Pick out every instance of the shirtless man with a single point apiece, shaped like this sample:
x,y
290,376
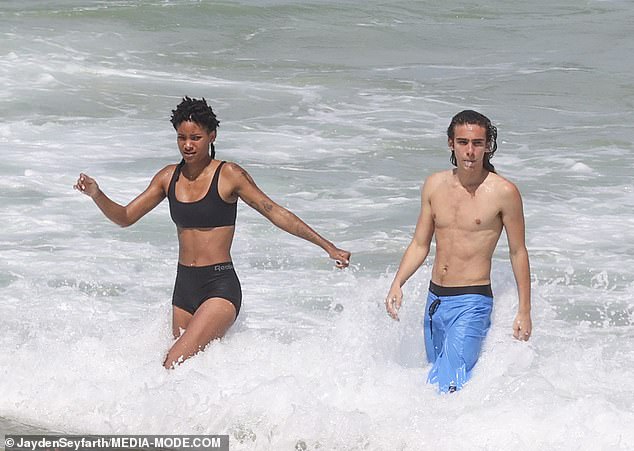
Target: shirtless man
x,y
466,209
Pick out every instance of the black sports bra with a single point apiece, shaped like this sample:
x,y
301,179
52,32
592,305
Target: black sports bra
x,y
210,211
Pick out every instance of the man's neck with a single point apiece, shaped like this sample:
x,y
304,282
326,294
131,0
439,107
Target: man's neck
x,y
471,180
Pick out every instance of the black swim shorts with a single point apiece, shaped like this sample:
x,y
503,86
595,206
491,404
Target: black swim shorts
x,y
195,284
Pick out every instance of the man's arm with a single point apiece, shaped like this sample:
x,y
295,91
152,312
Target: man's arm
x,y
415,253
513,221
249,192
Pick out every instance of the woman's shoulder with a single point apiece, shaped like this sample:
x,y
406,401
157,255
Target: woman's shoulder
x,y
164,175
231,169
230,165
167,170
235,174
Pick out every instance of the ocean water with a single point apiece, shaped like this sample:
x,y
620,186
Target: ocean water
x,y
338,109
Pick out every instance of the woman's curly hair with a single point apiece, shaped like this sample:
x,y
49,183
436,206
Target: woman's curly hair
x,y
197,111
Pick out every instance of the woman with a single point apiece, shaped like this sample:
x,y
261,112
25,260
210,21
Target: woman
x,y
203,194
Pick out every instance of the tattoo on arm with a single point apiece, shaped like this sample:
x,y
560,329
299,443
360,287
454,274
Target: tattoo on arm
x,y
285,219
267,206
264,207
246,176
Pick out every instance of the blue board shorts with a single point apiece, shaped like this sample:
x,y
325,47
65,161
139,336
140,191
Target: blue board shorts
x,y
456,321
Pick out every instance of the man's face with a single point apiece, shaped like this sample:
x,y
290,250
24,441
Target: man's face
x,y
469,144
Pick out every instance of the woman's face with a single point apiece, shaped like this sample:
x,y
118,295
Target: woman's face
x,y
193,141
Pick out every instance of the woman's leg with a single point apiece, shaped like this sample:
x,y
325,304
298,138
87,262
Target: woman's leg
x,y
212,320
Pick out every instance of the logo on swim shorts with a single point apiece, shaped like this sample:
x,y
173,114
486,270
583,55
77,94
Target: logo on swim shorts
x,y
223,267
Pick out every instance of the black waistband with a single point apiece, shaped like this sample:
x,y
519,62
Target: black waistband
x,y
215,267
484,290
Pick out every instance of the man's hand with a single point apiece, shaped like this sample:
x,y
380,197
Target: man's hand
x,y
522,326
393,301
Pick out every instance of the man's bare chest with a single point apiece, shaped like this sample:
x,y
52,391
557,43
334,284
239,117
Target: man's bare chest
x,y
465,212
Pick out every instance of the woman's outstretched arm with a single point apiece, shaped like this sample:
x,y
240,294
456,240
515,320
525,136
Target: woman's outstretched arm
x,y
248,191
127,215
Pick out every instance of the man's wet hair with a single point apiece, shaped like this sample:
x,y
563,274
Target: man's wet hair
x,y
475,118
196,110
